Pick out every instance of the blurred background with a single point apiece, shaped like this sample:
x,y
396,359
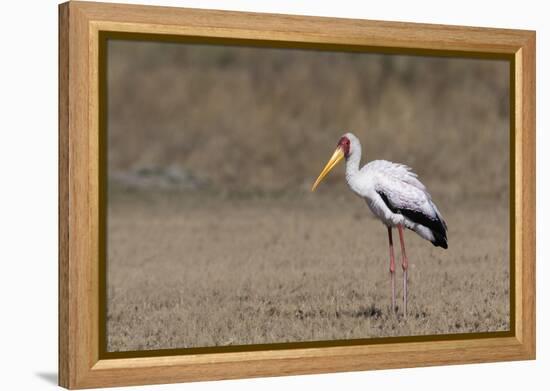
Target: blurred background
x,y
249,120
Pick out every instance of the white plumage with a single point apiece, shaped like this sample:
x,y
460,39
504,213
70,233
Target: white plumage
x,y
395,195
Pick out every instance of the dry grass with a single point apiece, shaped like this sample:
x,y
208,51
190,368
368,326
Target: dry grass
x,y
193,271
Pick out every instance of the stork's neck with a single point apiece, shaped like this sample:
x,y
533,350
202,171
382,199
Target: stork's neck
x,y
352,163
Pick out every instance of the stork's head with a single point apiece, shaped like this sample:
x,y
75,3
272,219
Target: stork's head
x,y
347,145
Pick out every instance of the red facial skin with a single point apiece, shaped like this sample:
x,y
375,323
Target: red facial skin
x,y
344,144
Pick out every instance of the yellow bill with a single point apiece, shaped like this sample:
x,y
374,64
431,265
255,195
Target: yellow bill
x,y
336,157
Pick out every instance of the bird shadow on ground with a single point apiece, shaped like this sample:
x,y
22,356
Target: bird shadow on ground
x,y
366,312
49,377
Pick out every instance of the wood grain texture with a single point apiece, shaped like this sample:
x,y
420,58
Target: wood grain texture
x,y
246,25
78,303
80,365
528,189
63,308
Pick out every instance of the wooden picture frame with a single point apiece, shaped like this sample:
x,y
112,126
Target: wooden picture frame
x,y
81,362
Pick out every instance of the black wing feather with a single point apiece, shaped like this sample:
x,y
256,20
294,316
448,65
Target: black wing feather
x,y
435,225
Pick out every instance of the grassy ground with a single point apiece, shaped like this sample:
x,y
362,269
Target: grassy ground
x,y
195,270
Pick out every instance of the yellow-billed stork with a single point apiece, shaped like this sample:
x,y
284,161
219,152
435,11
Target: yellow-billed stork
x,y
395,196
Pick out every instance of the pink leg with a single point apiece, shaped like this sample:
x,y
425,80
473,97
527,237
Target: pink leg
x,y
392,270
405,265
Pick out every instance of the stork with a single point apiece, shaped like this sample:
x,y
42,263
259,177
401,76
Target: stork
x,y
395,196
